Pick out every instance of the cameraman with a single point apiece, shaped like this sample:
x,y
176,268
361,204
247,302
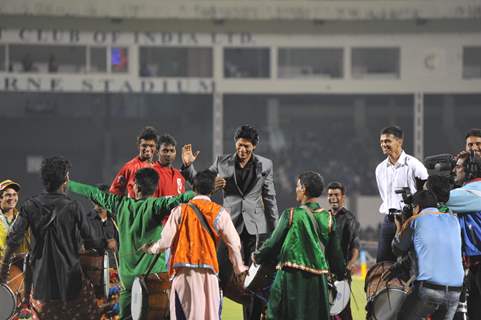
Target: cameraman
x,y
431,236
466,202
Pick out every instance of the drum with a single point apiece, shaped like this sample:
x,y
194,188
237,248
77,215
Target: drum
x,y
12,293
150,297
96,268
259,280
339,296
8,301
234,290
384,297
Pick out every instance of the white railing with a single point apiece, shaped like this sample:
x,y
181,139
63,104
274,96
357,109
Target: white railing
x,y
248,9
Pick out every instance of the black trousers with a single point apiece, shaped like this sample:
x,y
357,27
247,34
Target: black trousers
x,y
253,309
386,235
474,290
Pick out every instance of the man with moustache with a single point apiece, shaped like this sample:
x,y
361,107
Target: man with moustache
x,y
466,203
399,170
348,230
123,183
249,196
473,140
171,181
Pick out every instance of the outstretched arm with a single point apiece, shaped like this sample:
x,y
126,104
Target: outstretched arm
x,y
163,205
106,200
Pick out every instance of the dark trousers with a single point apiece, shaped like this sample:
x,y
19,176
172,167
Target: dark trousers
x,y
422,301
474,290
253,309
386,235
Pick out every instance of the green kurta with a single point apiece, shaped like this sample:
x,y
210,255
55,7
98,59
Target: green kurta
x,y
139,222
300,289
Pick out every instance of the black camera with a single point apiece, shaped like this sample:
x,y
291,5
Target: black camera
x,y
407,210
440,165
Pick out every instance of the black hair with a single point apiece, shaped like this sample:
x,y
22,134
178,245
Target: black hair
x,y
54,171
473,132
167,139
148,133
204,182
472,165
336,185
312,182
147,180
247,132
394,130
425,199
440,186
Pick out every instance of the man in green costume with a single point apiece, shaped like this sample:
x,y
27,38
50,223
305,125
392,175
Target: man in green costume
x,y
300,289
139,222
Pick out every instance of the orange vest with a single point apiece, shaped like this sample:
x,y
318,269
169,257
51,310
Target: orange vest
x,y
193,246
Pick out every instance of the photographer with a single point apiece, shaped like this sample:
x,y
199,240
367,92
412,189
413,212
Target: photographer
x,y
431,236
466,202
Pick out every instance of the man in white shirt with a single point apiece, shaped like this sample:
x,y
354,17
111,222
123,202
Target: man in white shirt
x,y
399,170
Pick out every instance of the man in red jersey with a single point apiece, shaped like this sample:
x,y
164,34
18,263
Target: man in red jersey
x,y
124,181
171,181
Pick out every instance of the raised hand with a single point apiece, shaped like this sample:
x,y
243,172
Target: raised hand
x,y
188,157
219,183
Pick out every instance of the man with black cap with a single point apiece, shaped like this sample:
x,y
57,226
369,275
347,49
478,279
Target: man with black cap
x,y
9,190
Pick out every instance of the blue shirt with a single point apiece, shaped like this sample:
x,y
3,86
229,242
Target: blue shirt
x,y
466,202
435,239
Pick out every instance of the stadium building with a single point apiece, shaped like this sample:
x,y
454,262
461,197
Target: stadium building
x,y
318,78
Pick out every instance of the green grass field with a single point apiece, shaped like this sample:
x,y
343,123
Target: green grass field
x,y
233,311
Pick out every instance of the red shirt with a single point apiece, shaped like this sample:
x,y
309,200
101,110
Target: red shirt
x,y
171,181
124,181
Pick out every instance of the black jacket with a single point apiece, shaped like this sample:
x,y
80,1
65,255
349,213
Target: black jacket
x,y
348,229
54,254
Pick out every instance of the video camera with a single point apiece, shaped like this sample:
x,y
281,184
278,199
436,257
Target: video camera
x,y
441,175
407,210
441,165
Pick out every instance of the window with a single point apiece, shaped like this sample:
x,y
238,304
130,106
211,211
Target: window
x,y
247,63
310,63
2,58
119,60
98,59
375,63
47,59
471,62
175,62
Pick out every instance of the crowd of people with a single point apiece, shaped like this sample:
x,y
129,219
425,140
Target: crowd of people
x,y
165,235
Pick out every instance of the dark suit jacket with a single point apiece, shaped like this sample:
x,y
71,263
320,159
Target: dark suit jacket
x,y
257,208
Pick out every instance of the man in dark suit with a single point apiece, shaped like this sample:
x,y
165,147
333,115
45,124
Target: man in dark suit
x,y
249,196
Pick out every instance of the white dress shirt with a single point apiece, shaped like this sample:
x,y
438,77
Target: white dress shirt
x,y
391,177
